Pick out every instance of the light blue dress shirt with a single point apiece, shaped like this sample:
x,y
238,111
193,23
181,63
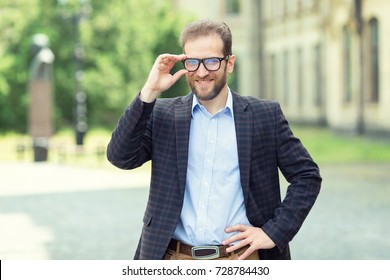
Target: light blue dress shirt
x,y
213,197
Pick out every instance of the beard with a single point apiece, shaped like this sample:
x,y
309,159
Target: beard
x,y
214,92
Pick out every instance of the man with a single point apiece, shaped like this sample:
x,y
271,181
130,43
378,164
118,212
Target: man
x,y
214,191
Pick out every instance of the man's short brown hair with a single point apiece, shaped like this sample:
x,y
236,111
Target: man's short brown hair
x,y
206,27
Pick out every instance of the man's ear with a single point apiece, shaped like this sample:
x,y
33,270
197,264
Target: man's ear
x,y
230,63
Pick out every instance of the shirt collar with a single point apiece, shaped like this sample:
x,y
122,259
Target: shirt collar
x,y
228,107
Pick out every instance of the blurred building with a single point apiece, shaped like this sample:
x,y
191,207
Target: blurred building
x,y
324,61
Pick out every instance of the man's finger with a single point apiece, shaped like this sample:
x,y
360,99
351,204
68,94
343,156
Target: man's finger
x,y
237,227
179,73
246,254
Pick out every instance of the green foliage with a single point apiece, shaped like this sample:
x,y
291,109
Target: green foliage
x,y
120,40
15,18
167,41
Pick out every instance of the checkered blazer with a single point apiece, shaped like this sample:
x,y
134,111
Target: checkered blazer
x,y
160,132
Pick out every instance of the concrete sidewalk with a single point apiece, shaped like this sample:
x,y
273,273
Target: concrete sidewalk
x,y
23,178
54,211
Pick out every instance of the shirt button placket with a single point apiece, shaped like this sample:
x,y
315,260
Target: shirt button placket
x,y
207,178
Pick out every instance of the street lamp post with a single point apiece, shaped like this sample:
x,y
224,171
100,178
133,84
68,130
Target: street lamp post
x,y
76,11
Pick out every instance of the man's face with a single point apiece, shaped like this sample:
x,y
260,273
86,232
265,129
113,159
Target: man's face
x,y
206,84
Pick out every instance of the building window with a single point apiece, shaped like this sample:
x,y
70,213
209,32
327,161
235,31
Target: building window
x,y
276,8
306,4
374,60
273,78
300,87
291,6
318,75
286,77
233,7
347,65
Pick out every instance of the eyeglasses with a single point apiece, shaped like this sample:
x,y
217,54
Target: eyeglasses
x,y
210,63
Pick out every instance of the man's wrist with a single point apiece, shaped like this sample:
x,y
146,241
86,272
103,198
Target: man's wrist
x,y
147,95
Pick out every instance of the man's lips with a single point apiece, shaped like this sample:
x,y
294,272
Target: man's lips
x,y
204,82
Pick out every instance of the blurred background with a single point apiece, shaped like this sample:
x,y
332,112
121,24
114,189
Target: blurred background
x,y
68,69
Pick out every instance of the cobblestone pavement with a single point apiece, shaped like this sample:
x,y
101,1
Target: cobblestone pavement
x,y
50,211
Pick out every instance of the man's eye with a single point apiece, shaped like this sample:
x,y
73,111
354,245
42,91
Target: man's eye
x,y
211,60
191,62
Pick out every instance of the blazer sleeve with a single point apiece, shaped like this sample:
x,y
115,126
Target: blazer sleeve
x,y
304,179
130,145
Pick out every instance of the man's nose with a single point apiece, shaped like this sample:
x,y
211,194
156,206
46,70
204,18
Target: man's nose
x,y
202,71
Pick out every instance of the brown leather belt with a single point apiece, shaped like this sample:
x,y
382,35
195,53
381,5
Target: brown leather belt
x,y
203,252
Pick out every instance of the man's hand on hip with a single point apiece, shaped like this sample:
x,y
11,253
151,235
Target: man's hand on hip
x,y
255,237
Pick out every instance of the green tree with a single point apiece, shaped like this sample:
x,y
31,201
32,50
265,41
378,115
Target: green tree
x,y
15,26
120,38
168,30
119,56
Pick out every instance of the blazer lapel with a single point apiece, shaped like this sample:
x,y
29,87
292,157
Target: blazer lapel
x,y
243,123
182,130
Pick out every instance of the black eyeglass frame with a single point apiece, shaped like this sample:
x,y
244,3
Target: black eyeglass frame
x,y
201,61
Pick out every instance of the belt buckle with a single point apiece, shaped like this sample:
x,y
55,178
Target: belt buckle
x,y
205,252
